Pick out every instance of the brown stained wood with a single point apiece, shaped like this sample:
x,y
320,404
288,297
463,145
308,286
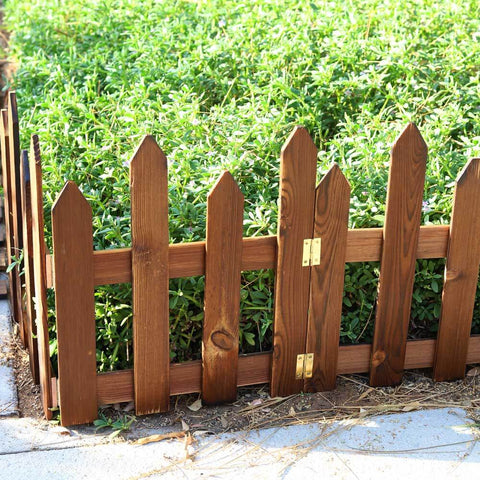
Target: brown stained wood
x,y
461,277
6,182
185,260
151,349
28,267
432,241
16,219
49,268
222,291
297,198
75,307
39,277
54,390
332,204
188,259
401,232
115,387
365,244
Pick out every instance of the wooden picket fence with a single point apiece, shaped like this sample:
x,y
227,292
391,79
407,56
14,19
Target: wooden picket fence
x,y
308,254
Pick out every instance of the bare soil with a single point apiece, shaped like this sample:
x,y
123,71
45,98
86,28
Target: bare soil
x,y
29,404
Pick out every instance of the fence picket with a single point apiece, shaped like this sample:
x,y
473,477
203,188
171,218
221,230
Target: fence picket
x,y
16,220
8,205
326,283
28,266
222,291
297,200
400,240
74,300
39,276
461,277
151,349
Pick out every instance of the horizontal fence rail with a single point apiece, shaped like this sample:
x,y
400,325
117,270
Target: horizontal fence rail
x,y
307,254
254,369
188,259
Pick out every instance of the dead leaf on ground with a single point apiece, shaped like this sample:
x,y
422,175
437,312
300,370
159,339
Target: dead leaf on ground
x,y
224,421
364,394
61,430
196,405
159,438
411,406
185,426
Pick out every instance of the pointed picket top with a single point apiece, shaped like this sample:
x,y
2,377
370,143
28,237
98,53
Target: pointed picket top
x,y
410,138
334,176
4,122
470,173
35,149
12,107
25,167
71,198
300,139
148,151
225,183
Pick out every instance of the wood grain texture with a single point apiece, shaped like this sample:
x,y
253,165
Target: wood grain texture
x,y
332,203
115,387
297,199
188,259
222,292
39,277
6,182
75,307
461,277
26,206
16,197
365,244
401,232
151,348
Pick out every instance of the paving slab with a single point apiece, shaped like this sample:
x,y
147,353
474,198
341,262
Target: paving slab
x,y
439,443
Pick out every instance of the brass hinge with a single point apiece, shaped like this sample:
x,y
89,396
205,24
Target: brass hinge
x,y
304,366
312,249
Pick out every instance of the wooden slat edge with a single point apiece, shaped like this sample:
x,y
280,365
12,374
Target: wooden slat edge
x,y
254,369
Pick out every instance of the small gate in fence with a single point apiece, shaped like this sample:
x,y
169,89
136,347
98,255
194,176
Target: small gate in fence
x,y
308,254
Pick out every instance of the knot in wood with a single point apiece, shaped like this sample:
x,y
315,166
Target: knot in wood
x,y
223,339
452,275
378,358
